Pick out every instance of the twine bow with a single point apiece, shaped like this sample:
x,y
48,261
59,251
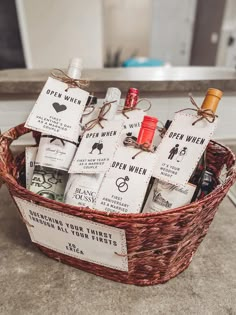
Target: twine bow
x,y
144,147
72,83
127,109
101,116
161,129
207,113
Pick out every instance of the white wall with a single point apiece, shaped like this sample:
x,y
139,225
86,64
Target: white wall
x,y
53,31
226,55
172,30
127,26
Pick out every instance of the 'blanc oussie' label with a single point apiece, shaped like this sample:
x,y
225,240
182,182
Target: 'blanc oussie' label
x,y
75,237
181,148
126,181
97,148
81,189
58,112
165,196
55,153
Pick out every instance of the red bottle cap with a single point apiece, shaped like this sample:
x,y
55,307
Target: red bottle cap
x,y
147,130
131,97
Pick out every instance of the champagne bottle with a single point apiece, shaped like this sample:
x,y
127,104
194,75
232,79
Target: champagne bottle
x,y
164,196
54,156
81,189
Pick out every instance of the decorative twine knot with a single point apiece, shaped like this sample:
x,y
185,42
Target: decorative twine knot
x,y
127,109
89,106
207,114
101,116
72,83
161,129
144,147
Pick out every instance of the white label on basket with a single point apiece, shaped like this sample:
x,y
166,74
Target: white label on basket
x,y
30,155
181,148
97,148
124,185
55,153
58,112
165,196
75,237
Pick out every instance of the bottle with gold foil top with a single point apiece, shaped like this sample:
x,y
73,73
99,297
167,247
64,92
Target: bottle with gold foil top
x,y
203,177
164,196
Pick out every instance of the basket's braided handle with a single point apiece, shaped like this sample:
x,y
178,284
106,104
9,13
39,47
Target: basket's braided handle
x,y
6,157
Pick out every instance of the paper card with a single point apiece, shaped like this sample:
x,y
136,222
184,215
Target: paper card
x,y
58,112
165,196
124,185
30,155
75,237
55,153
132,124
181,148
97,148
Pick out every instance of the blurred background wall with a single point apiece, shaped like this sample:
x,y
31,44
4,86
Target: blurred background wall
x,y
45,33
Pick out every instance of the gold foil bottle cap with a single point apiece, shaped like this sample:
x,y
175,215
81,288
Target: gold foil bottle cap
x,y
212,99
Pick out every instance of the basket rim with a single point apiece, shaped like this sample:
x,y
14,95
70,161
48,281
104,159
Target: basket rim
x,y
32,197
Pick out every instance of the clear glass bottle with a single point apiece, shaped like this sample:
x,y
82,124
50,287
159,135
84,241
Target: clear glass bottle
x,y
81,189
54,156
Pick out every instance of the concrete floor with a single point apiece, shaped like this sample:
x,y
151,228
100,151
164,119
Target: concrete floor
x,y
31,283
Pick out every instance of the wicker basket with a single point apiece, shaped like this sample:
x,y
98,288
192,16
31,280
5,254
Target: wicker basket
x,y
160,245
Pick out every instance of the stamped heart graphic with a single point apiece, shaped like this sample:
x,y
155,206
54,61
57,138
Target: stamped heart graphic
x,y
59,108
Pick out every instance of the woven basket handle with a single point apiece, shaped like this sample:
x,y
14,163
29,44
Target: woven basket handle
x,y
7,165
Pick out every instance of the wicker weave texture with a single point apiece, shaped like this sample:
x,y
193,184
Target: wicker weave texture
x,y
160,245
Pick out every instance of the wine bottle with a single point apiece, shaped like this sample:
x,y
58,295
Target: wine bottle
x,y
54,156
81,189
125,183
203,177
164,196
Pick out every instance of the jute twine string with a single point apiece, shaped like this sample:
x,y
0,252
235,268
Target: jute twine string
x,y
161,129
144,147
207,114
101,116
72,83
53,138
126,109
89,106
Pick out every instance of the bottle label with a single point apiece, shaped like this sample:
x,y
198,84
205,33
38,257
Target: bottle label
x,y
97,148
132,124
30,155
165,196
58,112
124,185
75,237
181,148
82,189
49,183
55,153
